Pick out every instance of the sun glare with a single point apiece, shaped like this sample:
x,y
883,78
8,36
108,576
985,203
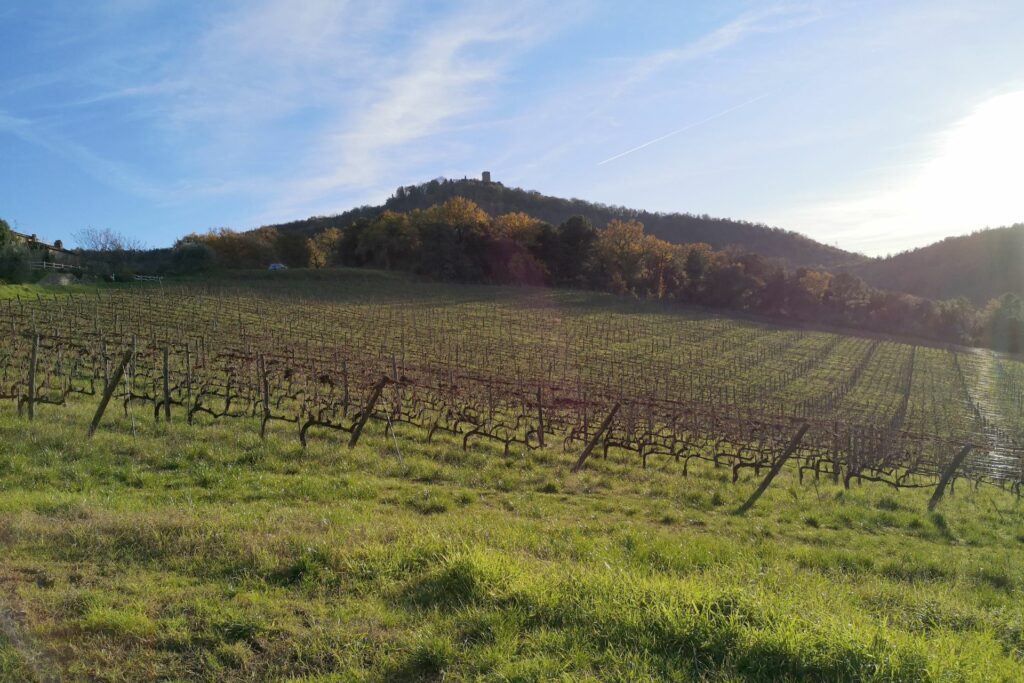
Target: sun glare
x,y
973,178
977,176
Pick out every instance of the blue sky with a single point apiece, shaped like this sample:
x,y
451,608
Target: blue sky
x,y
873,125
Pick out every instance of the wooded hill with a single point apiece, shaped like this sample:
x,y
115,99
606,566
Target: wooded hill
x,y
496,199
979,266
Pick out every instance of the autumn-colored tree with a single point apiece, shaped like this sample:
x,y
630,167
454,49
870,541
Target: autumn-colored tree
x,y
662,269
391,241
459,214
815,283
323,248
619,256
454,237
516,249
807,290
254,249
519,228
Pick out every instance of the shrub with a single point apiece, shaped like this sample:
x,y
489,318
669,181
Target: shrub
x,y
14,260
193,257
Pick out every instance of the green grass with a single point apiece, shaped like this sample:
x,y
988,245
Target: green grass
x,y
32,291
204,553
26,291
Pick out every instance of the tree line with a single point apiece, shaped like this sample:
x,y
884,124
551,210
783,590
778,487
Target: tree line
x,y
682,228
456,241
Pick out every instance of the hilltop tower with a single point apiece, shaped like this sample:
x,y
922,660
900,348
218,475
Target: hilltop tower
x,y
486,177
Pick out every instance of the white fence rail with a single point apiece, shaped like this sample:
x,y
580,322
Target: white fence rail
x,y
66,268
60,267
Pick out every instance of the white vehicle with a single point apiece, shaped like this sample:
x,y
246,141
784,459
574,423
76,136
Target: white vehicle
x,y
277,266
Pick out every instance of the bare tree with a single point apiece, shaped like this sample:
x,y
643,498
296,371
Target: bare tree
x,y
106,240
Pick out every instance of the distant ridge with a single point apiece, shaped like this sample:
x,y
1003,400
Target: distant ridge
x,y
980,266
681,228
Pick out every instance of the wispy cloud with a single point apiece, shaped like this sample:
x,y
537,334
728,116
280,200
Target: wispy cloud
x,y
369,90
298,104
243,112
342,96
767,20
106,171
687,127
449,70
593,111
264,61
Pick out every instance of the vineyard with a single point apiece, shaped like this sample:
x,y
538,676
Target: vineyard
x,y
353,476
662,387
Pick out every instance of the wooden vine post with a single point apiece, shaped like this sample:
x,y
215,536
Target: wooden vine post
x,y
106,365
597,437
109,391
188,382
367,410
167,386
540,418
947,475
32,378
776,468
265,397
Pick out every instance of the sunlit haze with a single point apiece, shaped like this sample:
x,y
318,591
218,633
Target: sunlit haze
x,y
970,178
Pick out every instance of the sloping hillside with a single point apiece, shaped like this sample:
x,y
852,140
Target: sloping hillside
x,y
979,266
496,198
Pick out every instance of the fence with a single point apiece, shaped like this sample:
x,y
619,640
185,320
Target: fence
x,y
59,267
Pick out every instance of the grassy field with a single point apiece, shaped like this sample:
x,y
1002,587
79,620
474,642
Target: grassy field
x,y
178,553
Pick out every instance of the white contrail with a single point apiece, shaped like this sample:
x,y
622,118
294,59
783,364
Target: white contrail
x,y
684,128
